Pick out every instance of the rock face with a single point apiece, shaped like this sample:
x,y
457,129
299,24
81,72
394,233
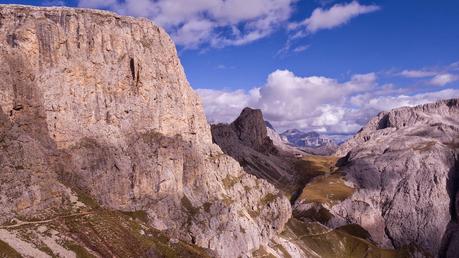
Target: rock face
x,y
404,164
247,140
94,101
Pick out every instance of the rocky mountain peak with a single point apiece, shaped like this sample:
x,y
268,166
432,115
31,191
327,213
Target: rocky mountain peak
x,y
292,131
441,112
250,127
312,134
257,147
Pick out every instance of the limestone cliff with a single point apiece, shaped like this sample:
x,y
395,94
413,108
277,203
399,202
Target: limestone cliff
x,y
95,102
404,165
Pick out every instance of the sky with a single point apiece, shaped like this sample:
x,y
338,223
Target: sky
x,y
321,65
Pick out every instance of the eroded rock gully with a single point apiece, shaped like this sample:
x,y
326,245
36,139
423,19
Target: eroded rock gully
x,y
99,102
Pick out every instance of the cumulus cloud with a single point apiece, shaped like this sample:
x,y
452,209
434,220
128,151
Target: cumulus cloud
x,y
223,106
443,79
337,15
315,102
217,23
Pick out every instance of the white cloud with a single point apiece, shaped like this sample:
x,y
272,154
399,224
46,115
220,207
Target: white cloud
x,y
217,23
443,79
437,76
224,106
315,102
301,48
417,73
53,3
96,3
337,15
390,102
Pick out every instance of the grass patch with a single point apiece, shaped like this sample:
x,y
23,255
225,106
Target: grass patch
x,y
283,251
265,200
46,250
140,215
207,206
312,166
319,214
186,203
328,243
7,251
309,167
253,213
262,253
230,181
356,230
425,146
327,189
112,233
87,199
268,198
78,250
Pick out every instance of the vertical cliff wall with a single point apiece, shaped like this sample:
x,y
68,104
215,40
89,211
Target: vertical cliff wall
x,y
94,101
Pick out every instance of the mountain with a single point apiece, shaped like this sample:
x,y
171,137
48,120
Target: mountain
x,y
105,149
401,171
248,140
312,182
310,139
310,142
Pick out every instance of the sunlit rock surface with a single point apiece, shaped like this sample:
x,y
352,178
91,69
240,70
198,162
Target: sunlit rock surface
x,y
99,102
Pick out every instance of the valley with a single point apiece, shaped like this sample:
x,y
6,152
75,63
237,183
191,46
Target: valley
x,y
106,151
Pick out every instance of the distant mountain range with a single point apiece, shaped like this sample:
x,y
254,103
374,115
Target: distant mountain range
x,y
311,142
307,139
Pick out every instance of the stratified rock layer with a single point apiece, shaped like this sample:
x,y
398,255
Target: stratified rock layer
x,y
404,164
100,102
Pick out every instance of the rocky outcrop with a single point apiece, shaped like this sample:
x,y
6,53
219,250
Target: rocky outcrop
x,y
99,102
404,165
247,140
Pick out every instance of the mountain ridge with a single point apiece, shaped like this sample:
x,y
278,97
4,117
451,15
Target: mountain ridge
x,y
391,159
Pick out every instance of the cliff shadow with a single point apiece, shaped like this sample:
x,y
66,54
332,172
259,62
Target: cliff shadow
x,y
450,241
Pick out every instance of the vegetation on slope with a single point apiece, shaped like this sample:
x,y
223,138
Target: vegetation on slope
x,y
324,182
92,232
317,240
7,251
326,189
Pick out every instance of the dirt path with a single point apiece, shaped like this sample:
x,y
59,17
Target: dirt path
x,y
20,223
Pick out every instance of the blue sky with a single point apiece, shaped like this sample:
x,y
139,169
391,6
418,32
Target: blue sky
x,y
320,65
